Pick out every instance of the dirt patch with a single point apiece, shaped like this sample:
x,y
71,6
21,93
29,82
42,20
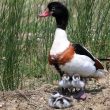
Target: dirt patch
x,y
98,98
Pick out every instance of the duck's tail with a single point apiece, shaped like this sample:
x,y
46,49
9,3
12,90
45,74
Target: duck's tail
x,y
100,73
104,59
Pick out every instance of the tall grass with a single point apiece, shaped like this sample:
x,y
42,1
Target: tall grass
x,y
91,28
11,13
25,39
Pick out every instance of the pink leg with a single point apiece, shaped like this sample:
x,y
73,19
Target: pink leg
x,y
80,95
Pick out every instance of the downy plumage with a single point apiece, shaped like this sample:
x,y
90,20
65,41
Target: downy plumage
x,y
59,101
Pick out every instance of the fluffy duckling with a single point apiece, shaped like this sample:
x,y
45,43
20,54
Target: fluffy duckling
x,y
65,82
76,82
59,101
73,82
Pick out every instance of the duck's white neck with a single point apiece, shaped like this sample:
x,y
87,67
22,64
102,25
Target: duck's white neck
x,y
60,42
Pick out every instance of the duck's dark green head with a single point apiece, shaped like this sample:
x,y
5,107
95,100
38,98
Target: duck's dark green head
x,y
59,11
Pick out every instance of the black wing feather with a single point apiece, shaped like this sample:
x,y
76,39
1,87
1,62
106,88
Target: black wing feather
x,y
82,51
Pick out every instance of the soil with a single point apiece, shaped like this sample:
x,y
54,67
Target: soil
x,y
98,97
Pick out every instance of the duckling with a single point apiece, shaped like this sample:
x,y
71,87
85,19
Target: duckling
x,y
76,82
52,98
70,82
65,82
79,86
62,102
59,101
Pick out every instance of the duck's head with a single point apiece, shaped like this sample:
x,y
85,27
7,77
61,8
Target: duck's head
x,y
59,11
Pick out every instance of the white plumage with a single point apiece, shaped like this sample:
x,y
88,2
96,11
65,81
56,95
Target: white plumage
x,y
80,64
60,42
77,83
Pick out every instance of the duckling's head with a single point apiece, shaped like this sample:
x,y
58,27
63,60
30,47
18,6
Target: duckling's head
x,y
76,77
55,94
65,77
63,102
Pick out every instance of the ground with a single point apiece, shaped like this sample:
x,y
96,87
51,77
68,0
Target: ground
x,y
97,92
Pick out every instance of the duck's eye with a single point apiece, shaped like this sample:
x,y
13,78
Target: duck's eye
x,y
53,8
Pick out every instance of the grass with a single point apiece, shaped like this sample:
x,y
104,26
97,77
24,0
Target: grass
x,y
25,39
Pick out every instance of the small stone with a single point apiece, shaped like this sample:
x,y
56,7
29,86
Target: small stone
x,y
1,104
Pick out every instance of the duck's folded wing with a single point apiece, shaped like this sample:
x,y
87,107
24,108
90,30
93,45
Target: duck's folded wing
x,y
83,51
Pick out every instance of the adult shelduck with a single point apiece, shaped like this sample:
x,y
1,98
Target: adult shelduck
x,y
69,58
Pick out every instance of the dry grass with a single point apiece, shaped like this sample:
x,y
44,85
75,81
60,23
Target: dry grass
x,y
98,97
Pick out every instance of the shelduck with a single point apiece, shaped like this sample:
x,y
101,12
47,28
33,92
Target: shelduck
x,y
66,57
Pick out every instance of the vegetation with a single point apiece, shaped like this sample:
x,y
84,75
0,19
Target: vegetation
x,y
25,39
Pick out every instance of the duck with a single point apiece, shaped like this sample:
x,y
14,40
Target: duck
x,y
59,101
67,57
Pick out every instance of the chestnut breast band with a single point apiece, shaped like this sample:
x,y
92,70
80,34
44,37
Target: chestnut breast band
x,y
63,57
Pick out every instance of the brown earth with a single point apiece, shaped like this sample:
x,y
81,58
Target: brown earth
x,y
98,97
